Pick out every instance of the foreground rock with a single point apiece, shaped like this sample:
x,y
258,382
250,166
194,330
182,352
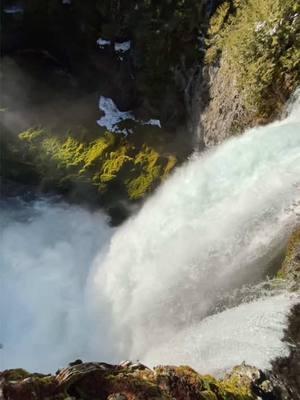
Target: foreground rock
x,y
128,381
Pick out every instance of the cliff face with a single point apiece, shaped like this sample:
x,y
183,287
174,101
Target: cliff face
x,y
148,75
61,57
286,371
202,71
252,67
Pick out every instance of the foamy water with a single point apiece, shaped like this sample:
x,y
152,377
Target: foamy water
x,y
71,287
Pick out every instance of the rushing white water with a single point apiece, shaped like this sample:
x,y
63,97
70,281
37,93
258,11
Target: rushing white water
x,y
250,332
217,223
73,287
46,251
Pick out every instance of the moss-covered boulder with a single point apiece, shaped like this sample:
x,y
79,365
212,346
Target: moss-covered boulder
x,y
128,381
110,167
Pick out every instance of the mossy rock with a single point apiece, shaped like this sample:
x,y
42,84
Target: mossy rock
x,y
290,268
111,165
260,41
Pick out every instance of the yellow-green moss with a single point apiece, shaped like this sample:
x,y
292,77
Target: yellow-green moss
x,y
96,149
69,153
232,389
113,164
148,164
138,187
31,134
171,163
291,265
65,159
260,41
294,243
17,374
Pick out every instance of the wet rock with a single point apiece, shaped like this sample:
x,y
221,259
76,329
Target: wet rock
x,y
134,381
76,362
290,269
286,371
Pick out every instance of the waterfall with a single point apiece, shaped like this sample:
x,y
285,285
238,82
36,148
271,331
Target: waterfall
x,y
73,287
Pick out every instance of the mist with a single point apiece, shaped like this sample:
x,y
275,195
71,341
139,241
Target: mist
x,y
47,251
72,287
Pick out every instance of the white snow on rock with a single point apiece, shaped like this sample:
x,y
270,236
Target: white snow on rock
x,y
14,9
122,47
119,47
102,43
155,122
113,116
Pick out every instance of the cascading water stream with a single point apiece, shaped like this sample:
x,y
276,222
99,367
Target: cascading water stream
x,y
73,287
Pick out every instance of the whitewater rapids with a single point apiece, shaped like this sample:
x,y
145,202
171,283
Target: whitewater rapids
x,y
72,287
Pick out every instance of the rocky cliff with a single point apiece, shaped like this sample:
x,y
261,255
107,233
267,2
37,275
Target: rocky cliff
x,y
251,67
170,77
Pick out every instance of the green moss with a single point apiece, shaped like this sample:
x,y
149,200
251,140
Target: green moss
x,y
113,164
67,154
171,163
206,386
97,149
260,41
102,163
136,384
208,395
148,166
233,389
294,243
31,134
291,265
16,374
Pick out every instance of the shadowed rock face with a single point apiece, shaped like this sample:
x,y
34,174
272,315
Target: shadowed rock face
x,y
287,370
128,381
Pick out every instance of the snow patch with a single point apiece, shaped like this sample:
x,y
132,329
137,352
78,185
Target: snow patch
x,y
102,43
123,46
113,116
155,122
119,47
